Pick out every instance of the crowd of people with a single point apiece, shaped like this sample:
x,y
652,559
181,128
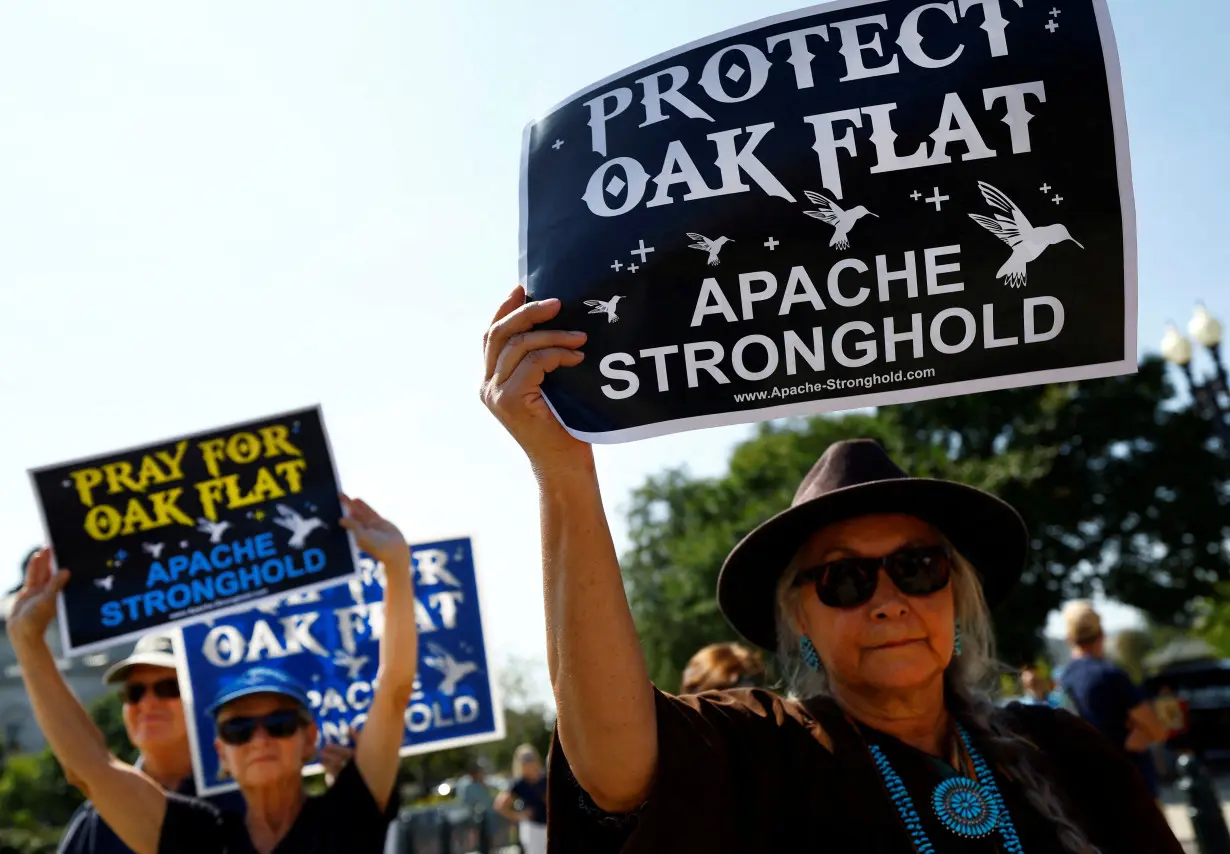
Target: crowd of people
x,y
873,590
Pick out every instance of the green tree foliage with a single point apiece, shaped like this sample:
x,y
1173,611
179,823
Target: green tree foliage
x,y
1123,490
34,793
1213,622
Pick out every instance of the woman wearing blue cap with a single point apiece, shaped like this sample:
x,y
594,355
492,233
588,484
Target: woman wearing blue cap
x,y
265,734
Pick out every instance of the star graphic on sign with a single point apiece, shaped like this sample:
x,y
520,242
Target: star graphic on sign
x,y
259,515
1046,187
294,428
458,555
183,544
121,554
632,268
1052,26
558,144
937,199
66,483
110,563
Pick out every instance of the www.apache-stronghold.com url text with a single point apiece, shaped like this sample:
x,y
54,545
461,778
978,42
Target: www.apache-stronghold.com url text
x,y
834,384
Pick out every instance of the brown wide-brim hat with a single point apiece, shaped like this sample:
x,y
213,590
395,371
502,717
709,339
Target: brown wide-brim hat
x,y
857,478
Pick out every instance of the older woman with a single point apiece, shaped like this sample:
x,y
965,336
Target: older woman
x,y
265,735
874,590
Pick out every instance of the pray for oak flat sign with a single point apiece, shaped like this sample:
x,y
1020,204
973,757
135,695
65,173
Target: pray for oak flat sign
x,y
194,527
860,203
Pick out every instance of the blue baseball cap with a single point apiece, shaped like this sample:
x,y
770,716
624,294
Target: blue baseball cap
x,y
259,680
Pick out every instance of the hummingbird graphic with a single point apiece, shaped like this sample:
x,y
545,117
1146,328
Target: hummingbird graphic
x,y
354,664
841,220
296,524
214,529
1027,242
607,307
713,247
452,669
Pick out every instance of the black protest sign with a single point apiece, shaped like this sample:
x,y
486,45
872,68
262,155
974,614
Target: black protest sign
x,y
856,204
201,525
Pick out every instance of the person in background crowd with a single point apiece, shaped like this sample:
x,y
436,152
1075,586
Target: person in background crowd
x,y
723,665
265,734
875,589
154,720
1105,695
473,791
529,788
1036,689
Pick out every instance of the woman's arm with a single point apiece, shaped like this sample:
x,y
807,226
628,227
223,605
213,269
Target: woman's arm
x,y
606,717
504,806
127,800
1144,728
377,753
605,708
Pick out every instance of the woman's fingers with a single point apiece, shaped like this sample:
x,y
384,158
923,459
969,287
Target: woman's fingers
x,y
526,342
533,369
38,570
522,319
510,304
359,511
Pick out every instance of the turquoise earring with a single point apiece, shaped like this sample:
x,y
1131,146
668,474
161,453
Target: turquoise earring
x,y
956,637
808,650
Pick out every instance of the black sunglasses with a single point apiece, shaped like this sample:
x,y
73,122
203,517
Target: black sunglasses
x,y
165,689
851,581
280,724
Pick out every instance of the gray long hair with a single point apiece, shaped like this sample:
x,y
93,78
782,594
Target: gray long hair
x,y
968,682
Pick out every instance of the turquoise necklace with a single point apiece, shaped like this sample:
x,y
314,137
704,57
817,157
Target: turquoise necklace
x,y
970,808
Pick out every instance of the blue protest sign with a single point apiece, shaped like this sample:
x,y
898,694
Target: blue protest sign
x,y
329,639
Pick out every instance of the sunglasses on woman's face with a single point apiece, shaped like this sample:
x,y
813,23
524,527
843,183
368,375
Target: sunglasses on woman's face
x,y
164,689
851,581
280,724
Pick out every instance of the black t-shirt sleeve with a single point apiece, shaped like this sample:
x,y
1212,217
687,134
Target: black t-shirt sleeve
x,y
721,755
349,803
1097,777
192,826
76,836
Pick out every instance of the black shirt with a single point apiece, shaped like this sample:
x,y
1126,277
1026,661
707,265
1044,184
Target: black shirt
x,y
534,796
746,772
345,818
87,833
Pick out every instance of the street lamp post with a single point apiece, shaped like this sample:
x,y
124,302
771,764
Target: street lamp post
x,y
1208,393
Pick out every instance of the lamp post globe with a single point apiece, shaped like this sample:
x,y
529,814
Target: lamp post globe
x,y
1205,328
1176,349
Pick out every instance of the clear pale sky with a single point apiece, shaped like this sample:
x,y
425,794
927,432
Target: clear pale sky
x,y
214,211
